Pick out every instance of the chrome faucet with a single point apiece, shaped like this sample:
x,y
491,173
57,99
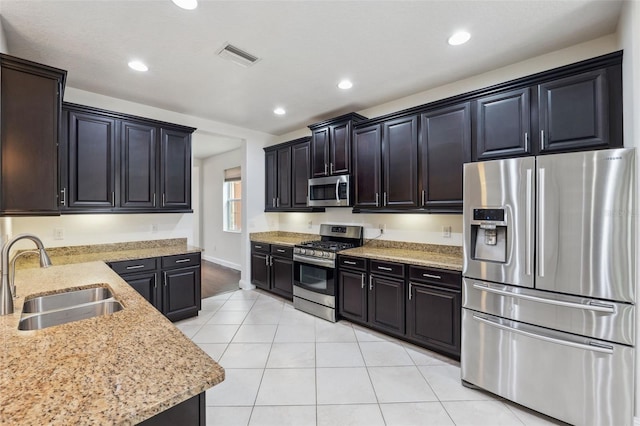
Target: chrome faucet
x,y
6,296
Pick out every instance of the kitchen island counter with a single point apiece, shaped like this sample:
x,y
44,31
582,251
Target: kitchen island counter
x,y
120,368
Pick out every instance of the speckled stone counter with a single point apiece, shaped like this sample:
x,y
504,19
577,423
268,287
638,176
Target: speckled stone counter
x,y
431,255
281,237
119,369
110,252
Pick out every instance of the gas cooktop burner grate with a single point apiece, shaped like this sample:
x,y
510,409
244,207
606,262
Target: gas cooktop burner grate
x,y
326,245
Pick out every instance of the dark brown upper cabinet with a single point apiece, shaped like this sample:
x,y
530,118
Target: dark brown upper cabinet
x,y
503,125
138,154
367,173
113,162
287,172
331,145
386,164
573,112
278,179
90,168
300,173
30,105
400,162
574,108
444,147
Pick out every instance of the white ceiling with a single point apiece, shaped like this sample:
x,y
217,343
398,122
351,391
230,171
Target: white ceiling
x,y
390,49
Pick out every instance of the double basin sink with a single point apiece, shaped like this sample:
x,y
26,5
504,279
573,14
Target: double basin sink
x,y
60,308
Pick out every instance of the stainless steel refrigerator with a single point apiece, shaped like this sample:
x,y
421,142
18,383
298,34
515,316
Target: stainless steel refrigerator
x,y
548,317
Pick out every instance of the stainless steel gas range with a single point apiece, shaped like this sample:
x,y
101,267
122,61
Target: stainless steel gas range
x,y
314,284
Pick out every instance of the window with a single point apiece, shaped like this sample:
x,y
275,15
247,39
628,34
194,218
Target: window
x,y
232,200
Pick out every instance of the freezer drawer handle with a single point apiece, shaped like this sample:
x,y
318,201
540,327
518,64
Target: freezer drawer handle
x,y
592,346
591,305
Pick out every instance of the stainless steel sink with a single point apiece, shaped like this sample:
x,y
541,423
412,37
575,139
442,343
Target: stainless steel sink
x,y
63,316
64,300
60,308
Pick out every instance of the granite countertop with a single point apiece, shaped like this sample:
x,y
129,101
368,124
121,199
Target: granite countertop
x,y
281,237
430,255
110,252
120,368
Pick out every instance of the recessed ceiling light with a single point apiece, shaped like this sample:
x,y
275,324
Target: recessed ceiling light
x,y
186,4
138,66
279,111
458,38
345,84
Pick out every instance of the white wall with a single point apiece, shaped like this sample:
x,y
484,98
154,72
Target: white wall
x,y
427,228
629,39
219,246
196,204
3,39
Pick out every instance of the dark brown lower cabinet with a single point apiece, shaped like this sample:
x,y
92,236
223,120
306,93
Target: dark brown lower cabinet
x,y
387,304
191,412
433,317
415,303
272,268
352,301
172,284
372,299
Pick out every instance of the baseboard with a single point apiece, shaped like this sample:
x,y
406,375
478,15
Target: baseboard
x,y
246,285
222,262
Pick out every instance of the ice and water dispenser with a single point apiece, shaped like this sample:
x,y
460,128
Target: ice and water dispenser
x,y
489,235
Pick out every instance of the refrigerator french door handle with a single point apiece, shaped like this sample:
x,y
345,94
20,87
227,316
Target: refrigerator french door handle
x,y
595,347
590,306
541,229
527,244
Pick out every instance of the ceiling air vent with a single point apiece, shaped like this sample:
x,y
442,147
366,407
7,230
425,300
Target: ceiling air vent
x,y
237,56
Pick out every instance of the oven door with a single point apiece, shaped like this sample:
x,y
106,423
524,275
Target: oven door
x,y
314,277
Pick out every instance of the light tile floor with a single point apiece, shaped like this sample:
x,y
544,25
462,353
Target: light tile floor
x,y
285,367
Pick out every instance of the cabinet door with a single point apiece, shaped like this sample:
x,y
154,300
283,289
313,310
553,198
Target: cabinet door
x,y
340,149
270,179
92,161
387,304
175,169
260,270
181,293
147,285
283,199
320,152
445,145
138,156
433,317
353,295
574,112
30,110
400,159
282,276
367,148
503,125
301,165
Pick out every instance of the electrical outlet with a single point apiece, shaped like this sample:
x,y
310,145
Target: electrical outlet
x,y
446,232
309,224
58,234
154,228
382,227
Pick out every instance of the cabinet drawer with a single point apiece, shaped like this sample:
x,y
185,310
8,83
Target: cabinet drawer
x,y
387,268
282,251
181,260
260,247
352,263
436,276
134,266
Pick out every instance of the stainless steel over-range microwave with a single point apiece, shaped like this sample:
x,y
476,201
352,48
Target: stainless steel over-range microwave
x,y
331,191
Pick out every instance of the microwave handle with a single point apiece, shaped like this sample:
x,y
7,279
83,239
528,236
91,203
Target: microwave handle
x,y
338,190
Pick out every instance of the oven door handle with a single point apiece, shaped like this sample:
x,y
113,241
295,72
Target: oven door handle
x,y
325,263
